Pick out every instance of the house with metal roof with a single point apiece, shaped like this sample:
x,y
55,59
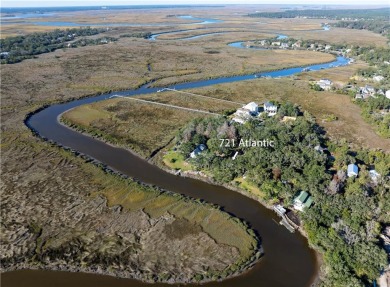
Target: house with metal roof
x,y
244,114
270,108
352,170
252,107
325,84
199,149
302,201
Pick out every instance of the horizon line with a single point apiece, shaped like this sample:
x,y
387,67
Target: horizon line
x,y
206,5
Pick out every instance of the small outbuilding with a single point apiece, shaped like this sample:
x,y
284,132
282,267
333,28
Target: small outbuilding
x,y
352,170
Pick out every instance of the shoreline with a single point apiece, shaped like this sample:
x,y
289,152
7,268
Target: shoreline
x,y
104,167
256,255
158,163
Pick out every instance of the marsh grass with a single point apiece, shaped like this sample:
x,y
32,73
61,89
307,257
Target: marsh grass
x,y
141,127
219,225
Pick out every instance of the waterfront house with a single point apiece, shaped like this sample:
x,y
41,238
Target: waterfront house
x,y
325,84
302,201
367,90
284,45
270,108
252,107
352,170
243,114
199,149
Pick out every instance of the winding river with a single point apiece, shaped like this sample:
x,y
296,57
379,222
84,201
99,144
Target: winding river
x,y
288,260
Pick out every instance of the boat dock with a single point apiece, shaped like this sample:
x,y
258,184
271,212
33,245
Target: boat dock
x,y
281,211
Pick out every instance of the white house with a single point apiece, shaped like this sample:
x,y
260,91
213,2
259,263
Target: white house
x,y
352,170
270,108
325,84
365,92
388,94
275,43
368,90
252,107
246,112
199,149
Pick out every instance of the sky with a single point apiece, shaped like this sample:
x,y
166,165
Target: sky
x,y
49,3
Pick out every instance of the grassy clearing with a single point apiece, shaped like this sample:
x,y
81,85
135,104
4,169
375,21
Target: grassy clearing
x,y
249,186
175,160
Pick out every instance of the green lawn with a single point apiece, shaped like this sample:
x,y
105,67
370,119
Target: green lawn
x,y
249,186
175,160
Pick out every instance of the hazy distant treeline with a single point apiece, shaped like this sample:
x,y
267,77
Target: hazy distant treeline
x,y
328,14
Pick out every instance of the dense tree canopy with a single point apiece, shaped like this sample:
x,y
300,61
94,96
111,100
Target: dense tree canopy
x,y
345,221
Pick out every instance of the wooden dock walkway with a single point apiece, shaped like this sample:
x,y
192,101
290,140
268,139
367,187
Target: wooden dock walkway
x,y
281,211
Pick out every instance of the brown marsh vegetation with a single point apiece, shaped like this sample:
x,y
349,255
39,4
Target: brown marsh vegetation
x,y
40,179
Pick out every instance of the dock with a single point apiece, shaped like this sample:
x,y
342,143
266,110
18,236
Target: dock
x,y
286,224
281,211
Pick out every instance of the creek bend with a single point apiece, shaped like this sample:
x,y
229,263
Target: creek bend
x,y
287,261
